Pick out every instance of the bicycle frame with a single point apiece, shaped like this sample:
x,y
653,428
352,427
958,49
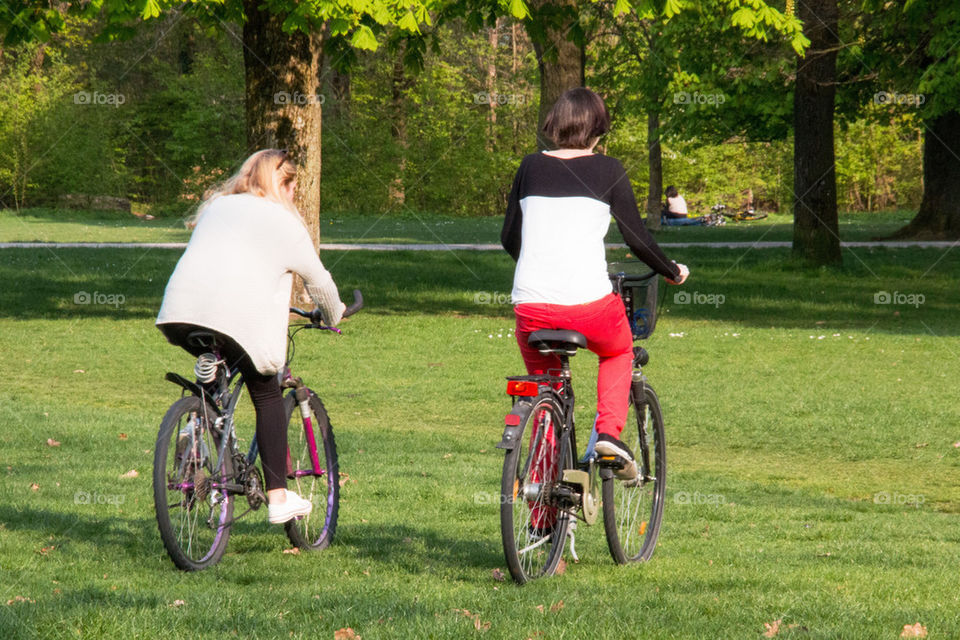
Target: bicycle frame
x,y
225,401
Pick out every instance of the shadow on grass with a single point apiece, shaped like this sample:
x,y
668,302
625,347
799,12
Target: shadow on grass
x,y
903,291
115,533
419,549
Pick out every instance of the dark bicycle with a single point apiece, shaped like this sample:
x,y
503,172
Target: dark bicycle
x,y
546,487
747,214
198,468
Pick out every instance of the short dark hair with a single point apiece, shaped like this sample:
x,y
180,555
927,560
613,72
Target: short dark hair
x,y
576,118
672,192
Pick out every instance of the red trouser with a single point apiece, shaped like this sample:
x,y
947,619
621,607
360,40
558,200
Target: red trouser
x,y
604,324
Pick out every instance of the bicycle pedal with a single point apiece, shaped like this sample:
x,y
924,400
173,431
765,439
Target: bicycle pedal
x,y
612,462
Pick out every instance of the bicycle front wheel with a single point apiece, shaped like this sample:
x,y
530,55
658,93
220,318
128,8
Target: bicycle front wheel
x,y
632,511
533,527
193,516
312,472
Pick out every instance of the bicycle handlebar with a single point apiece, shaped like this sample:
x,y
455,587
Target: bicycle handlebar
x,y
315,316
623,277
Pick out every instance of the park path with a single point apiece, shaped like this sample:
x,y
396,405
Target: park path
x,y
473,246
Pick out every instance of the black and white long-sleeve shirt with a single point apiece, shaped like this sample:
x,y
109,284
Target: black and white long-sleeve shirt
x,y
557,217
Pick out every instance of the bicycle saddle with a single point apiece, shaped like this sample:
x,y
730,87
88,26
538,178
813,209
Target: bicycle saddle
x,y
562,341
202,339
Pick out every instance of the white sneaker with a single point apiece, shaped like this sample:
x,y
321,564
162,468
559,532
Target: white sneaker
x,y
294,507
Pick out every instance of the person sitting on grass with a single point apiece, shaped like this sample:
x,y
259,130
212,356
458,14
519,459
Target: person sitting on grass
x,y
234,280
675,210
557,217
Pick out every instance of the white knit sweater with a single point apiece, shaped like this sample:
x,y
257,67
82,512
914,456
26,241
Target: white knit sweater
x,y
236,276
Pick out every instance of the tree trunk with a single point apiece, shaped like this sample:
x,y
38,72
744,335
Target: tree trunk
x,y
816,236
283,100
655,186
559,59
492,97
399,84
939,214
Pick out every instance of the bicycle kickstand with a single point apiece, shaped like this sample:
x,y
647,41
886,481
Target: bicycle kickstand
x,y
571,531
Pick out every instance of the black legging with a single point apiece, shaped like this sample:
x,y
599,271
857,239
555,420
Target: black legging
x,y
264,392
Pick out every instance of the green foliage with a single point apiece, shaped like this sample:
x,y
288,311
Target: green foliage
x,y
452,159
35,83
878,164
912,47
91,123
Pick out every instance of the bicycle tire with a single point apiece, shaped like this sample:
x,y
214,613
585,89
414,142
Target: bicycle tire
x,y
315,531
194,519
540,529
632,513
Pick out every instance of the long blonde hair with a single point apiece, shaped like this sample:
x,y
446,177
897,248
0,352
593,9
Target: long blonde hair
x,y
263,174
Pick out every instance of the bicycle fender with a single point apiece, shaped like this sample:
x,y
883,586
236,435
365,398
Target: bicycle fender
x,y
513,425
192,387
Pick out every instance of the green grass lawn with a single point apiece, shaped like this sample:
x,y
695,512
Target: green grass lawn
x,y
57,225
811,445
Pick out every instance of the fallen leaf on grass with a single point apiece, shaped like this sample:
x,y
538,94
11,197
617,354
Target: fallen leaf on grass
x,y
477,624
44,551
79,371
346,634
921,445
34,486
52,443
177,603
133,473
772,628
913,631
561,568
295,551
498,575
345,478
554,608
122,436
17,599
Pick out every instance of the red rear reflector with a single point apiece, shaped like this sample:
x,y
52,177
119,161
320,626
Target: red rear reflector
x,y
511,420
521,388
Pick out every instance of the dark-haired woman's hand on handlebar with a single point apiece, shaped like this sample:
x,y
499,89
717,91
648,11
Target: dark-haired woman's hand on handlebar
x,y
684,273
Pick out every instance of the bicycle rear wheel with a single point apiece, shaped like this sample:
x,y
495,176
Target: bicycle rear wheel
x,y
632,511
533,528
193,517
318,485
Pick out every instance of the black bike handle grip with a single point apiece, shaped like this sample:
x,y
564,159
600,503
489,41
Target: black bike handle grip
x,y
356,306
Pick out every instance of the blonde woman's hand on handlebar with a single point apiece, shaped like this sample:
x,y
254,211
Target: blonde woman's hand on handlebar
x,y
684,273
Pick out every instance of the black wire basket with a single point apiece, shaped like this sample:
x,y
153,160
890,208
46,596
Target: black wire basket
x,y
639,288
